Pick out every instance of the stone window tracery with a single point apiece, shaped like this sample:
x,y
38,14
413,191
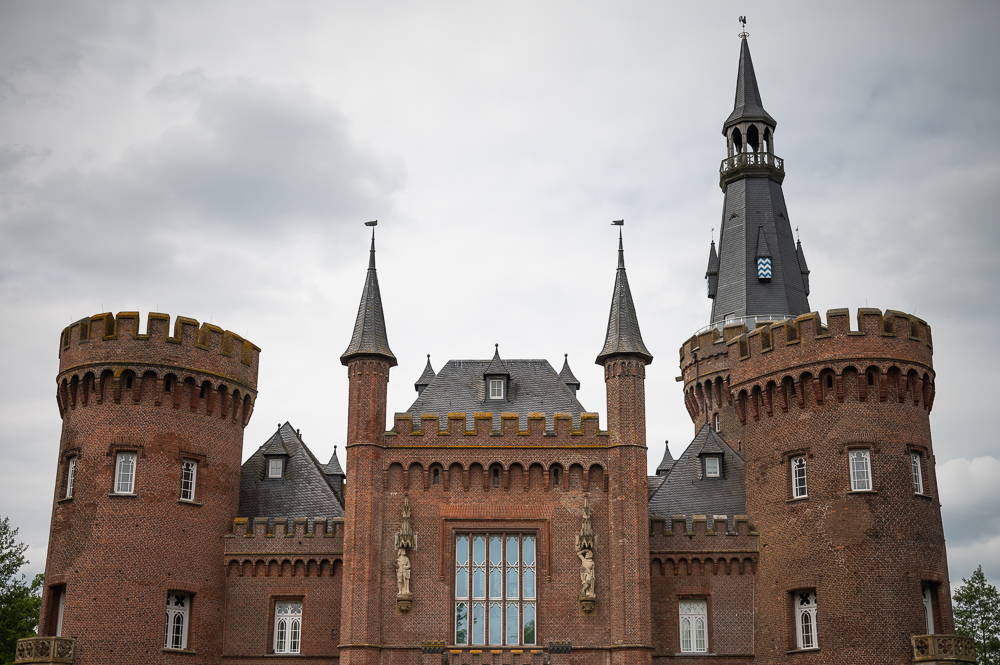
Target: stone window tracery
x,y
175,634
800,488
805,620
495,601
189,475
287,626
694,625
125,473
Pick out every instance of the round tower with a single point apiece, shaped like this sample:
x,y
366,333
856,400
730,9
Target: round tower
x,y
148,481
841,485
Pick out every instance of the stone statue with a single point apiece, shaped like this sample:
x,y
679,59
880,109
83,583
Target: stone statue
x,y
586,573
402,573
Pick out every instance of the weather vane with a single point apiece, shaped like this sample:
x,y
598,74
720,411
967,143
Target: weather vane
x,y
744,34
713,234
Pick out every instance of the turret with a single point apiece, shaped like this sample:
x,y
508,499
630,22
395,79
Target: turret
x,y
148,477
567,376
425,378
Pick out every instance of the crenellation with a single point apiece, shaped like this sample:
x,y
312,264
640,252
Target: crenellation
x,y
488,430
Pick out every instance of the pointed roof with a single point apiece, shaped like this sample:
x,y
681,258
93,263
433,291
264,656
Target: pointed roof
x,y
425,378
369,330
667,463
333,467
803,268
566,374
713,443
762,249
748,105
713,261
623,327
496,366
275,445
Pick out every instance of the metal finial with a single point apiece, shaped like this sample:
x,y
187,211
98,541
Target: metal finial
x,y
713,235
744,34
797,238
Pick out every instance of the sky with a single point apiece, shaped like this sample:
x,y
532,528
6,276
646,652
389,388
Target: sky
x,y
218,160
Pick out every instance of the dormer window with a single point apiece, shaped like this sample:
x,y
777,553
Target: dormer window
x,y
712,467
275,467
496,388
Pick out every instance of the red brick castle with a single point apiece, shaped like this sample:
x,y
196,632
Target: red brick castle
x,y
496,523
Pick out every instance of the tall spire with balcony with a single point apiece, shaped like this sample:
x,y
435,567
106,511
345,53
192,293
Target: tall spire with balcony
x,y
758,274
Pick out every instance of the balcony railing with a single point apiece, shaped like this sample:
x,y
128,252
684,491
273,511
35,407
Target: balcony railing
x,y
44,650
943,649
744,159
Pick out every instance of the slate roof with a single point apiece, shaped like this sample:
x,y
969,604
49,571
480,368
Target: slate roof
x,y
534,387
712,272
496,366
652,484
685,492
747,105
333,467
667,463
566,374
304,491
623,327
803,268
369,329
427,376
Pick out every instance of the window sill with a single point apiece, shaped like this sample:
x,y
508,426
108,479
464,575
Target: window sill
x,y
122,495
794,651
185,651
922,496
695,654
798,498
285,655
190,503
64,499
858,492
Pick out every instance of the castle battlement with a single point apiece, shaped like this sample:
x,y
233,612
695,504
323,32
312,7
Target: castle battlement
x,y
703,544
487,430
285,527
105,339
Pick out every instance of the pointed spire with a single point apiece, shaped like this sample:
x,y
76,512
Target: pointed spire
x,y
276,444
748,105
712,272
667,463
333,467
566,374
425,378
623,327
369,329
803,268
496,366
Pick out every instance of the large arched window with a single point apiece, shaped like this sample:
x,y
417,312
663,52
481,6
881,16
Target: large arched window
x,y
287,626
694,622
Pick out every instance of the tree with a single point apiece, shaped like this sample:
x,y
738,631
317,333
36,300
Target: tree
x,y
977,615
20,600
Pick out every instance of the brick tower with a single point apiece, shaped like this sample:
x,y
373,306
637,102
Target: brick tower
x,y
833,425
624,358
368,359
148,477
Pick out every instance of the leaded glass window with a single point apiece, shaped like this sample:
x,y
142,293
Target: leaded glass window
x,y
189,473
694,625
861,475
176,629
799,486
495,577
125,473
287,626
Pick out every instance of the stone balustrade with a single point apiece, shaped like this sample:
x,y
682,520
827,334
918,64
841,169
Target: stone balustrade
x,y
943,649
44,650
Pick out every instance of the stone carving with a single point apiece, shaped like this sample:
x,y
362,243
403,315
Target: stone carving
x,y
585,546
404,542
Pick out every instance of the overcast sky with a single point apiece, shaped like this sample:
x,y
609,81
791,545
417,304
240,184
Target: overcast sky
x,y
217,160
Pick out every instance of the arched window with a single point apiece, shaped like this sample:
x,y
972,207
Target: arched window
x,y
753,138
694,619
287,627
555,477
737,140
436,475
805,620
496,476
176,630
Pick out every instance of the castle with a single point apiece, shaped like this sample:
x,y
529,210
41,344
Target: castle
x,y
496,523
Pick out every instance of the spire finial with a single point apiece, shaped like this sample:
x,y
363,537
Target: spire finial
x,y
371,258
621,252
713,235
744,34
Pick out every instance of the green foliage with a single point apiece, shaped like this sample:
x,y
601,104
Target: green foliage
x,y
977,615
20,600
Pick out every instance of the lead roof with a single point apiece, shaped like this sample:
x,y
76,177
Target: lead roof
x,y
302,491
534,387
623,335
369,336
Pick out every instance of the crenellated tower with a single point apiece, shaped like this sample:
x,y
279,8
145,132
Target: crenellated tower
x,y
368,360
148,477
624,358
832,424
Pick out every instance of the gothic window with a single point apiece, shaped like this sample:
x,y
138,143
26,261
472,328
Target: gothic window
x,y
495,600
799,488
287,626
694,622
918,476
70,477
125,473
189,473
805,619
928,597
496,388
175,632
861,470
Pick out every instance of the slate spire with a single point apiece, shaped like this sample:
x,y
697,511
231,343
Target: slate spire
x,y
712,272
566,374
369,329
667,463
747,105
425,378
623,336
496,366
